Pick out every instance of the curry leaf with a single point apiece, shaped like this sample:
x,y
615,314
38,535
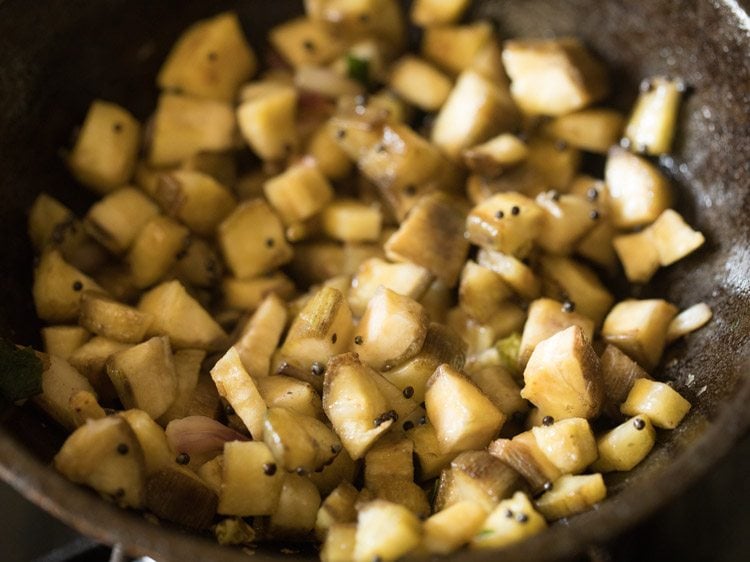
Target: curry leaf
x,y
358,69
20,372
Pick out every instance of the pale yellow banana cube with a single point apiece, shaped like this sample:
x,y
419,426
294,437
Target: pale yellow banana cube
x,y
184,126
553,76
267,120
210,59
352,221
144,376
496,155
593,130
652,124
251,481
178,315
625,446
571,495
352,401
116,220
237,387
195,199
512,521
385,530
455,526
639,328
299,193
638,191
455,47
519,276
252,240
437,12
463,417
420,83
663,405
562,377
294,516
569,444
673,237
106,149
476,110
638,255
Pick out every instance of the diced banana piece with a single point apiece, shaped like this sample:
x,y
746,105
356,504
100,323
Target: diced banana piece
x,y
569,444
453,527
664,406
639,328
572,494
464,418
476,110
652,124
673,238
437,12
210,59
623,447
513,520
354,404
562,376
638,191
385,530
251,480
106,150
553,77
420,83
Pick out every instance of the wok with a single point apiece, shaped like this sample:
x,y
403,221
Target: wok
x,y
57,55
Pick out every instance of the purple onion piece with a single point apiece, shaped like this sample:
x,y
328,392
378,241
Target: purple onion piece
x,y
200,434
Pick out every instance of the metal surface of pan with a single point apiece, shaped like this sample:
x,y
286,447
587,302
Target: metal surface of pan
x,y
57,55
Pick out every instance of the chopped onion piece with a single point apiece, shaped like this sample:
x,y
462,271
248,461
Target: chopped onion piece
x,y
200,434
326,82
688,321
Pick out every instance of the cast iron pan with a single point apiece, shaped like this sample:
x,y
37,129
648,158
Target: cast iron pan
x,y
57,55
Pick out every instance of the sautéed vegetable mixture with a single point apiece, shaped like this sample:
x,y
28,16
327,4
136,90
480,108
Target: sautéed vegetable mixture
x,y
359,294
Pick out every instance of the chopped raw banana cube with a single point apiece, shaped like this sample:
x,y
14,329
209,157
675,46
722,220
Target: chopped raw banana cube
x,y
475,111
513,520
652,124
553,76
299,193
639,328
562,376
386,531
106,150
463,417
572,494
251,481
455,47
569,444
453,527
664,406
673,238
623,447
184,126
638,191
252,240
420,83
506,222
437,12
211,59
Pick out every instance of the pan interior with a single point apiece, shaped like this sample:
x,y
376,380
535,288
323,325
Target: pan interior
x,y
59,55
